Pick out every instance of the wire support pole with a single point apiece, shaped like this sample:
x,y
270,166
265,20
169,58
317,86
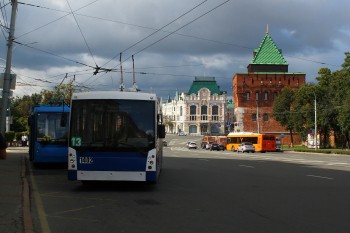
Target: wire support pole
x,y
7,75
315,135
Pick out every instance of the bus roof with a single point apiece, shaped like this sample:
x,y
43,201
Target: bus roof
x,y
114,95
243,133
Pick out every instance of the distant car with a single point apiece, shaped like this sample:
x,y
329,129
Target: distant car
x,y
182,133
191,145
165,143
216,146
222,147
246,147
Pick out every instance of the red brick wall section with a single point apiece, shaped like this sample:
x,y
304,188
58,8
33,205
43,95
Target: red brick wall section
x,y
261,83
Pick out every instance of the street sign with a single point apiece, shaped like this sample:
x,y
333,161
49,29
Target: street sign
x,y
282,135
228,123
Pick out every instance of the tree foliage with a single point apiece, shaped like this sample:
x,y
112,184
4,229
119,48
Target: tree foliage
x,y
20,106
332,98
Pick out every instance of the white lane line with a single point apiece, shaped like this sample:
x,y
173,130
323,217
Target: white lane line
x,y
321,177
246,166
335,163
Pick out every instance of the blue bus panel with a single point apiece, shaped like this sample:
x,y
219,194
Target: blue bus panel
x,y
48,136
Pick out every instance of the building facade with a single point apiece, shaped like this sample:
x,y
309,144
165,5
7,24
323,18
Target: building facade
x,y
255,90
200,111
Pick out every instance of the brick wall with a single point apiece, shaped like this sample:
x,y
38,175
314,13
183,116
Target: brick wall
x,y
255,92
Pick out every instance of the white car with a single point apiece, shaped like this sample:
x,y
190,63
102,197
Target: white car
x,y
246,147
191,145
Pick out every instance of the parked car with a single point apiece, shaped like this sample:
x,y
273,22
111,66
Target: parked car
x,y
165,143
182,133
191,145
246,147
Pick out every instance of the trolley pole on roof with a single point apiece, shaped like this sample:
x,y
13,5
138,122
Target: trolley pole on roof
x,y
7,75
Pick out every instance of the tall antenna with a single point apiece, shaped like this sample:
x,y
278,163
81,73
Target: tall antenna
x,y
121,86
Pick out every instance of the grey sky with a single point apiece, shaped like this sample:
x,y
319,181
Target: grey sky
x,y
207,41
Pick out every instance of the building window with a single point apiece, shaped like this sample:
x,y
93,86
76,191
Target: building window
x,y
181,111
266,95
193,112
215,113
266,117
275,95
254,117
247,96
204,113
257,95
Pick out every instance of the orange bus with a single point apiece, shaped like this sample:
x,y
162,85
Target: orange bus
x,y
217,139
262,142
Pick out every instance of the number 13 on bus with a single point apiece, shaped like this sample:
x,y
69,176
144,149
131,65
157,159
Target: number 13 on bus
x,y
115,136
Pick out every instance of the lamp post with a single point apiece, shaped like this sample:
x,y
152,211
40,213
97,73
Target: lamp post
x,y
315,136
257,115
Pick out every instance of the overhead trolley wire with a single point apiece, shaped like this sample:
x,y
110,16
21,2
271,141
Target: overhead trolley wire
x,y
173,31
158,30
69,13
82,34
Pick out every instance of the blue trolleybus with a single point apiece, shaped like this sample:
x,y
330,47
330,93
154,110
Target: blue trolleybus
x,y
48,134
115,136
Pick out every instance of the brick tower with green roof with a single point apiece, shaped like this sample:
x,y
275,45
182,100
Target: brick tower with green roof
x,y
255,91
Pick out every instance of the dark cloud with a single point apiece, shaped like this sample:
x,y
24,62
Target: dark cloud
x,y
204,42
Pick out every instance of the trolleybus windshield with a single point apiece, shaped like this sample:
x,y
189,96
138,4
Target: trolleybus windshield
x,y
49,129
113,125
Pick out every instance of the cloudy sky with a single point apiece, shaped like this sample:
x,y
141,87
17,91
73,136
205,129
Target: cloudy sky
x,y
171,41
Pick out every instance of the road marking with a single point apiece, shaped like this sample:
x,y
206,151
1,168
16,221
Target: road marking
x,y
321,177
246,166
206,160
332,164
39,205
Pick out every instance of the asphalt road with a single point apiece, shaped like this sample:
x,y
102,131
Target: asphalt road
x,y
202,191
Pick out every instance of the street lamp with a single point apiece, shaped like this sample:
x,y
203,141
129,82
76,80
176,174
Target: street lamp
x,y
257,115
315,136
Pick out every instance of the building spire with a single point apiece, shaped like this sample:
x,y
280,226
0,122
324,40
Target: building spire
x,y
267,29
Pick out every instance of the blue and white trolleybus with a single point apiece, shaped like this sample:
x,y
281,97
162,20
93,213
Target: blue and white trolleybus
x,y
115,136
48,134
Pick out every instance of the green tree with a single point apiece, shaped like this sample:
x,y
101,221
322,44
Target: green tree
x,y
60,94
283,110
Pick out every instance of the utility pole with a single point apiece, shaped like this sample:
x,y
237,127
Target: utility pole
x,y
257,115
7,76
315,135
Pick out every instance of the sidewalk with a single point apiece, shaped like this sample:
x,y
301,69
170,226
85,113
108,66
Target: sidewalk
x,y
12,172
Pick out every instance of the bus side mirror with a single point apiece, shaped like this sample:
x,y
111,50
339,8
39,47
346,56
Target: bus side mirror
x,y
161,131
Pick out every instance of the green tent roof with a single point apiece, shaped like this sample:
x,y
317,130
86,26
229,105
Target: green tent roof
x,y
204,82
268,53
